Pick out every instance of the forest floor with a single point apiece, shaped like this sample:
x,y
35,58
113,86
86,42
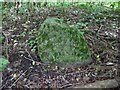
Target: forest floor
x,y
26,70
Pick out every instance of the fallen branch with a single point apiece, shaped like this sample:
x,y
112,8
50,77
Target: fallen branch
x,y
6,34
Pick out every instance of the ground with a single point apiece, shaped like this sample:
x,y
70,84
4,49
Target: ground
x,y
26,70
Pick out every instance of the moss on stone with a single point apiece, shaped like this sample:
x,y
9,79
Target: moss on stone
x,y
60,43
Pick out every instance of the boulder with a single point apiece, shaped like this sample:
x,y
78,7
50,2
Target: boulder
x,y
62,44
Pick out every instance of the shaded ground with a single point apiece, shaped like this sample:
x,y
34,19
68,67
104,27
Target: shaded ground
x,y
25,68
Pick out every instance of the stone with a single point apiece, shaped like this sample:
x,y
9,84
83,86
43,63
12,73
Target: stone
x,y
62,44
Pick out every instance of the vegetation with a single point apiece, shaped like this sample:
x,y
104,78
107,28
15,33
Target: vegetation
x,y
40,38
1,39
3,63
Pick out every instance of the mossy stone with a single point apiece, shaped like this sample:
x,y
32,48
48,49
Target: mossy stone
x,y
61,44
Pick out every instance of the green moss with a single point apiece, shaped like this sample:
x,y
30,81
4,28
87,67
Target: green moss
x,y
3,63
60,43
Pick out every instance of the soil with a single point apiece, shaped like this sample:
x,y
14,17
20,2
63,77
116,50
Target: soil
x,y
26,70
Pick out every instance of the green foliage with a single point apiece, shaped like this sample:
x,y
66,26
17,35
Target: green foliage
x,y
3,63
60,43
1,38
92,13
32,41
23,34
81,25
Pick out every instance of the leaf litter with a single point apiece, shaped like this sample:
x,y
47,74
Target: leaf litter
x,y
26,70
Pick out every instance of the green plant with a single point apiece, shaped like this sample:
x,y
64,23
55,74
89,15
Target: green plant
x,y
81,25
3,63
23,34
60,43
1,39
32,40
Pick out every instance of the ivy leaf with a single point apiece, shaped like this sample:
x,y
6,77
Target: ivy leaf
x,y
3,63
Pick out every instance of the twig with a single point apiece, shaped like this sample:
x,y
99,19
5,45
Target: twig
x,y
65,79
66,85
6,40
33,60
30,59
7,82
29,54
99,30
26,86
18,79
